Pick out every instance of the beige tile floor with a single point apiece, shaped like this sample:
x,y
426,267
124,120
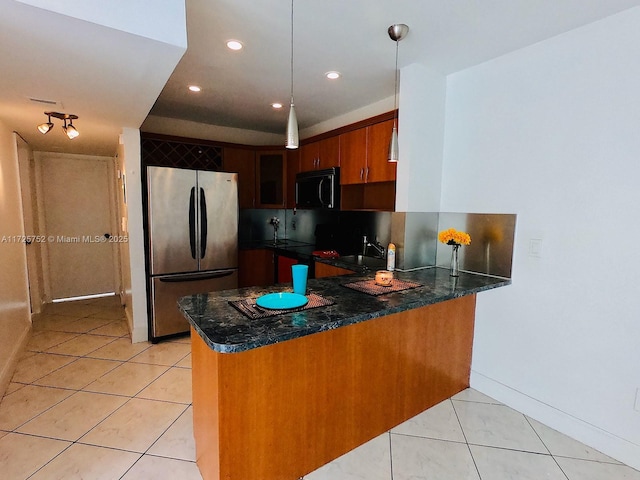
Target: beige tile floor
x,y
85,403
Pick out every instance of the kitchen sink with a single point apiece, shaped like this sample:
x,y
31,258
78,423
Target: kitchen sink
x,y
362,260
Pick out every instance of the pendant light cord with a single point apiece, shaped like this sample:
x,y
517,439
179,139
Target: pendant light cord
x,y
395,91
291,52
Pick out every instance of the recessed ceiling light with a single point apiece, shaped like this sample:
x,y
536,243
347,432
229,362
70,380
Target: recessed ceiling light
x,y
234,45
332,75
276,105
194,88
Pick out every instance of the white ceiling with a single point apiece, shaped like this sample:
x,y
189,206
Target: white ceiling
x,y
108,77
111,79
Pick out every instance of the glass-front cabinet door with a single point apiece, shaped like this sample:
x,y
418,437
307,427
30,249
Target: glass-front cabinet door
x,y
271,178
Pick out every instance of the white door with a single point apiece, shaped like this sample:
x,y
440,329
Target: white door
x,y
78,213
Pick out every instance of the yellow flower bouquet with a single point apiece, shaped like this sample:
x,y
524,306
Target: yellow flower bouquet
x,y
454,237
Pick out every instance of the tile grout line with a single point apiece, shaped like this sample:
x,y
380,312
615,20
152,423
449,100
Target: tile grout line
x,y
75,391
51,459
165,431
453,405
545,446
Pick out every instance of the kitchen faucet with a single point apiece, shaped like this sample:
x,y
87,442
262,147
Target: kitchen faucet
x,y
380,250
275,221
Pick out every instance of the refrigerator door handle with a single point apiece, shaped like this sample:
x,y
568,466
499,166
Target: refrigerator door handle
x,y
196,277
192,222
203,223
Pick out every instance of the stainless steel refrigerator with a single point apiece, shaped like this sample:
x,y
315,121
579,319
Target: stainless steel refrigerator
x,y
193,240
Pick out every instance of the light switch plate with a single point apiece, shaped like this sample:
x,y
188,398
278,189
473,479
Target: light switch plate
x,y
535,247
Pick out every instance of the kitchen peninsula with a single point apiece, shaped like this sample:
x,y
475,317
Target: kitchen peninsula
x,y
277,397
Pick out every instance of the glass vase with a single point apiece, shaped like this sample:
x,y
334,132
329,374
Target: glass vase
x,y
455,266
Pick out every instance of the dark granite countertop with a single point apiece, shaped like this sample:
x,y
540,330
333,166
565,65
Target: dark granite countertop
x,y
226,330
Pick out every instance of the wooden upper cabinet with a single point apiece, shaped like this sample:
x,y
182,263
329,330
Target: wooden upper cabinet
x,y
329,152
309,155
353,156
379,169
242,161
364,153
320,154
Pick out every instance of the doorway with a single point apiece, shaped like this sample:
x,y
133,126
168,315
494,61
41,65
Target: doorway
x,y
77,207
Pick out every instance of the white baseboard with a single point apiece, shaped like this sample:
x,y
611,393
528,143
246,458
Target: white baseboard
x,y
618,448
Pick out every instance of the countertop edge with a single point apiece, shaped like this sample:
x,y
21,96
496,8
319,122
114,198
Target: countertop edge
x,y
293,333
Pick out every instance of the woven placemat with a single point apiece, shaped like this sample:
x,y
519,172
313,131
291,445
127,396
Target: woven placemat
x,y
249,308
370,287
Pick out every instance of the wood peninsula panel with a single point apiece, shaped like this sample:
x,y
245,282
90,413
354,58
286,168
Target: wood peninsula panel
x,y
281,411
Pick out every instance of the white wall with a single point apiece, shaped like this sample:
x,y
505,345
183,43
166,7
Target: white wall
x,y
420,139
550,132
132,253
15,320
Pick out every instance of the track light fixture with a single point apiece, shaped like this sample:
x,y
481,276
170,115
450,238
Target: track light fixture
x,y
69,129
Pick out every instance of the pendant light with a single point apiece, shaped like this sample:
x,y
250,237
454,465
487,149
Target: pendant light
x,y
292,121
396,32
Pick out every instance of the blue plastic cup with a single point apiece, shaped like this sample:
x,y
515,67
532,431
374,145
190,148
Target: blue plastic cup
x,y
299,274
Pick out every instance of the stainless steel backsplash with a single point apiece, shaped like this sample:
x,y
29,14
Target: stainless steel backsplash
x,y
414,233
492,239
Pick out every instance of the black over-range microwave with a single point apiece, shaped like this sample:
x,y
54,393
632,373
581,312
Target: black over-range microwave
x,y
318,189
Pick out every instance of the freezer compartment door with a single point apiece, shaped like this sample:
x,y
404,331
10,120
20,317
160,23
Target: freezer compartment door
x,y
166,318
218,220
172,220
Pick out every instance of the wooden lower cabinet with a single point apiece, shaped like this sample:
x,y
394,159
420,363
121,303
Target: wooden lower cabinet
x,y
255,267
324,270
284,269
281,411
